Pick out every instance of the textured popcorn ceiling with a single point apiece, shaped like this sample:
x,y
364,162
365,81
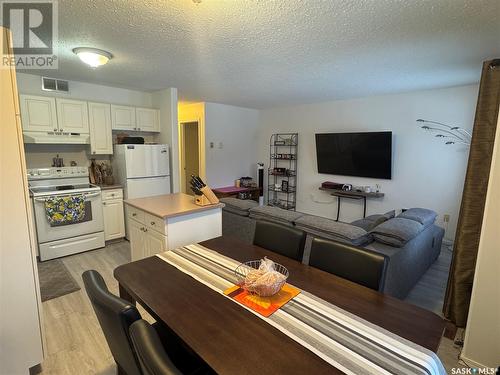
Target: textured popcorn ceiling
x,y
265,53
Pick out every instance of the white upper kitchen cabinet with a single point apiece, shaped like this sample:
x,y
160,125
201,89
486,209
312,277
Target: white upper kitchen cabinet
x,y
38,113
72,116
101,138
148,120
123,117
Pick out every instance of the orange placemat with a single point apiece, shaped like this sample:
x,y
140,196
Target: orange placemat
x,y
263,305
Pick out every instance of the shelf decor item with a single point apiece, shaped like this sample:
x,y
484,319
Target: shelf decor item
x,y
282,174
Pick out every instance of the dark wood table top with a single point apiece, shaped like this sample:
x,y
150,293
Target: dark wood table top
x,y
233,340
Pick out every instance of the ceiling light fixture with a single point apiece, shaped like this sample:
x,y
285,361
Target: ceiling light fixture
x,y
93,57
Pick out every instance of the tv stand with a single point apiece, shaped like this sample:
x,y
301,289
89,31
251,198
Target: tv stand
x,y
351,194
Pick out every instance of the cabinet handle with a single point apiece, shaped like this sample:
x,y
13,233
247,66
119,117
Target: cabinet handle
x,y
55,129
153,223
103,203
134,214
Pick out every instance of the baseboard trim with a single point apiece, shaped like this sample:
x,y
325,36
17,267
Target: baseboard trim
x,y
469,362
447,242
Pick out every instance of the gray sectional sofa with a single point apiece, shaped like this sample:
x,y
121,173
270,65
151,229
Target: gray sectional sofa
x,y
411,241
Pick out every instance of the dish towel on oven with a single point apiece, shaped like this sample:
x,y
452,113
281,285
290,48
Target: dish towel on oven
x,y
344,340
65,210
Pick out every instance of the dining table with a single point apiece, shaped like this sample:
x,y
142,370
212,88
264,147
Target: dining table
x,y
233,340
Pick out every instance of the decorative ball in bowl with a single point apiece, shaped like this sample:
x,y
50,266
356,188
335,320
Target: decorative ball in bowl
x,y
262,277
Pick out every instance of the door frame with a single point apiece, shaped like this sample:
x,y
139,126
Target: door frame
x,y
201,150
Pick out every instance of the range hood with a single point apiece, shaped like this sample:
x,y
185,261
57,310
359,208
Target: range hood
x,y
56,138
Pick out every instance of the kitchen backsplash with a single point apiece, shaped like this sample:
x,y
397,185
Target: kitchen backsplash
x,y
40,156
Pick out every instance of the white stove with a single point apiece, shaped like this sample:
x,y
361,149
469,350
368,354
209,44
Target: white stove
x,y
58,240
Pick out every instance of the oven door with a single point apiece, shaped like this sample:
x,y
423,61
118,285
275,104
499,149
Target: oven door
x,y
92,222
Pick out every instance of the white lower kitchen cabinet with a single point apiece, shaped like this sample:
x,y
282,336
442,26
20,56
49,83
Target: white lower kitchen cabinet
x,y
165,222
112,210
144,241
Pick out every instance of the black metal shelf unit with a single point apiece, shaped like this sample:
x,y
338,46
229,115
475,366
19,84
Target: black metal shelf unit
x,y
282,173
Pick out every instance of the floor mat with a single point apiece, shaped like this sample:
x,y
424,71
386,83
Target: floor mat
x,y
55,279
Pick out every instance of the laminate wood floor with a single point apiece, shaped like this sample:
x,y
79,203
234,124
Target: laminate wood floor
x,y
74,341
431,288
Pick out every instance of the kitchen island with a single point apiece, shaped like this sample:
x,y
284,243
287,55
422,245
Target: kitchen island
x,y
164,222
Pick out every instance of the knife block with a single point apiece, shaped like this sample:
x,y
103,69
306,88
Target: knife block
x,y
209,194
201,200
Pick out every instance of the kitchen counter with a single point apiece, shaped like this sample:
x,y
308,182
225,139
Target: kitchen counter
x,y
170,205
110,187
165,222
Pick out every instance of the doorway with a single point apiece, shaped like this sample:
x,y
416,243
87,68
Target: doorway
x,y
190,153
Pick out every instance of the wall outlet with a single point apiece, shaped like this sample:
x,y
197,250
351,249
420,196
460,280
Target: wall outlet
x,y
211,145
446,218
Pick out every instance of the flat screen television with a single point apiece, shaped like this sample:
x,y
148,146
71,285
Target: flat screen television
x,y
355,154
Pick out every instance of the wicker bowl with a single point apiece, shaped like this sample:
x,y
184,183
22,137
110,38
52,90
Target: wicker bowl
x,y
264,290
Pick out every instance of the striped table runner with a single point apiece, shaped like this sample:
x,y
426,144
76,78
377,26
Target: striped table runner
x,y
344,340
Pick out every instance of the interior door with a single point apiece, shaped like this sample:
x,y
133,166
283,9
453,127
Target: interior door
x,y
191,154
73,116
101,139
38,113
136,236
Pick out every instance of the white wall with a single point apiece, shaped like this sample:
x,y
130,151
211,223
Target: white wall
x,y
426,172
482,335
32,84
166,101
233,131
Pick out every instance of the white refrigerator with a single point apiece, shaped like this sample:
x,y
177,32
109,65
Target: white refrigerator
x,y
142,170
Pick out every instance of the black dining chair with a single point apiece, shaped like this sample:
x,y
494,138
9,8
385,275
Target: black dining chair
x,y
353,263
281,239
153,358
116,315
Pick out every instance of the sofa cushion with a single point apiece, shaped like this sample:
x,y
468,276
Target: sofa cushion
x,y
329,228
370,222
274,214
390,214
422,215
397,232
238,206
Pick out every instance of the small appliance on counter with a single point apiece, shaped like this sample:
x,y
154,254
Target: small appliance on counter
x,y
67,210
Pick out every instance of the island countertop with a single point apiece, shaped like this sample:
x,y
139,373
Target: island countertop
x,y
170,205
